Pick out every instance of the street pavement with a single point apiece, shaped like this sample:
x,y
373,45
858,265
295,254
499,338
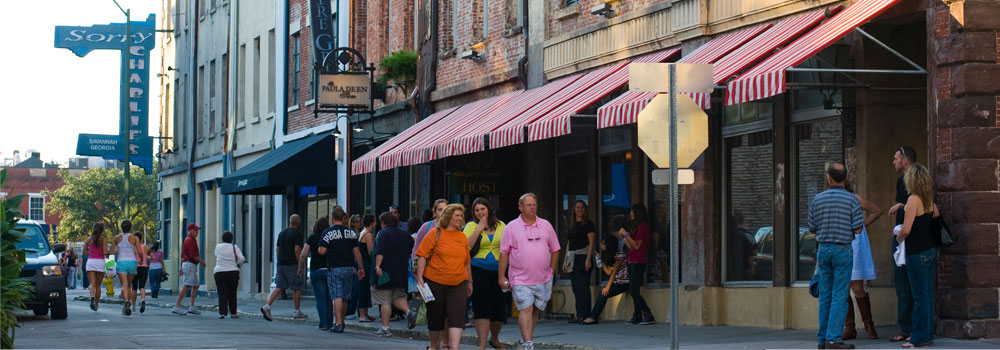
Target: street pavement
x,y
158,328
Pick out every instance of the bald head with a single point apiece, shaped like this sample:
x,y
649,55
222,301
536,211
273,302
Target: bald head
x,y
837,173
295,220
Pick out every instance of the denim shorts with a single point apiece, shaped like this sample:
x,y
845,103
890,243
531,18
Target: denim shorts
x,y
128,267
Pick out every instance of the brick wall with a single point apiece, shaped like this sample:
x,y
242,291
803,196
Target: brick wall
x,y
300,116
966,65
578,16
28,180
499,53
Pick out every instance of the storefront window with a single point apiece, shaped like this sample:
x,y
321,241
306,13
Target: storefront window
x,y
817,144
659,217
616,203
749,164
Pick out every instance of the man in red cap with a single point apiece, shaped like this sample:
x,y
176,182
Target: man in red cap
x,y
189,270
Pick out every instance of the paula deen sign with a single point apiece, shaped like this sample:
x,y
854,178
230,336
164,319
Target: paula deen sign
x,y
345,89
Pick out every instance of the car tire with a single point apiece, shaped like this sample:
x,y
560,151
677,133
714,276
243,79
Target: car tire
x,y
40,310
59,311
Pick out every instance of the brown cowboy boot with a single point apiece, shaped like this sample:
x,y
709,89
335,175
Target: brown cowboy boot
x,y
849,331
865,307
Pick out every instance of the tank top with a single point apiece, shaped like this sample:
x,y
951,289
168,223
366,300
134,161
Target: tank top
x,y
126,252
920,238
96,250
142,256
157,261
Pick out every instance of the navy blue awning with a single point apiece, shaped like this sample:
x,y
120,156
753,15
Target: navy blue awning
x,y
306,162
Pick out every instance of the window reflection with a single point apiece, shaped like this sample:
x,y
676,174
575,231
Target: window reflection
x,y
817,144
749,237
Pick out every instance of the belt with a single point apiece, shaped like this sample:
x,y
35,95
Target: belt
x,y
321,269
837,243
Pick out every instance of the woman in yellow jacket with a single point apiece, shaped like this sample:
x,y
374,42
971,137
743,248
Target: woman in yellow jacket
x,y
487,297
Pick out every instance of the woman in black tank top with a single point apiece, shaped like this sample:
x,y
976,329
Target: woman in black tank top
x,y
921,253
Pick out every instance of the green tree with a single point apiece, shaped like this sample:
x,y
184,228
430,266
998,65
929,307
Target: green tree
x,y
13,289
401,68
96,196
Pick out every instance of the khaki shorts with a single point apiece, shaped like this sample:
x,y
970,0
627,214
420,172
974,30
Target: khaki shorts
x,y
387,296
527,295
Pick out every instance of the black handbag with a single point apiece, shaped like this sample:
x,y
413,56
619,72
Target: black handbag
x,y
944,237
164,277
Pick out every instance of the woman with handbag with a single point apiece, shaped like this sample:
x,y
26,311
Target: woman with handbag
x,y
917,233
618,280
488,305
443,264
581,241
228,258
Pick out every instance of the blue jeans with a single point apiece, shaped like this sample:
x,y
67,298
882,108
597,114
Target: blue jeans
x,y
324,305
602,299
154,280
904,296
920,271
833,263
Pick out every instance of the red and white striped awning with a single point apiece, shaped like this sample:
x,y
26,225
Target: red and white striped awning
x,y
473,139
557,122
768,78
624,109
421,148
761,46
513,131
366,163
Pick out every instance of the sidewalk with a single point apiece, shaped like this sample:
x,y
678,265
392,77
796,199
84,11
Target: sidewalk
x,y
557,334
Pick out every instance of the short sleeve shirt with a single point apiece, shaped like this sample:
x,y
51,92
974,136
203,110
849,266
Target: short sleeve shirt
x,y
640,256
451,255
530,248
394,245
287,240
316,261
339,241
901,196
834,214
190,250
578,235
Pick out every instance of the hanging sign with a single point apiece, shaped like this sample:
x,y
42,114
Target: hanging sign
x,y
345,89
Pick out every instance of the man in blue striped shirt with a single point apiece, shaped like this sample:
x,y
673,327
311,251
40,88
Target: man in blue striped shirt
x,y
834,217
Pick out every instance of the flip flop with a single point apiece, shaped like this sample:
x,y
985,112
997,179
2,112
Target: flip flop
x,y
900,337
496,345
366,320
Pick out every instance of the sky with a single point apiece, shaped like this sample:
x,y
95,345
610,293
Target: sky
x,y
48,96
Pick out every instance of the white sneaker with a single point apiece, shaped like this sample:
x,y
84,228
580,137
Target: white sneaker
x,y
300,315
178,311
193,310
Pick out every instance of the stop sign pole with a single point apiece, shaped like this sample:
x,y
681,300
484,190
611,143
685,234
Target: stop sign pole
x,y
674,215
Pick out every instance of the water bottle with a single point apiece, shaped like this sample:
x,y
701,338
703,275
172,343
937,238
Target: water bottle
x,y
506,287
598,259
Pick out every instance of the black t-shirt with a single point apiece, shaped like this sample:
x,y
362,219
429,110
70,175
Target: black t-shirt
x,y
394,245
317,261
578,235
340,242
901,197
287,240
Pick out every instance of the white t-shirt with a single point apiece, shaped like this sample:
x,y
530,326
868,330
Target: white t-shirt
x,y
225,259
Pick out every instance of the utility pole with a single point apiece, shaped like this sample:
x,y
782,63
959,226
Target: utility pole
x,y
125,110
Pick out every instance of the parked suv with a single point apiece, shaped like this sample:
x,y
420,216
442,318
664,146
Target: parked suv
x,y
43,271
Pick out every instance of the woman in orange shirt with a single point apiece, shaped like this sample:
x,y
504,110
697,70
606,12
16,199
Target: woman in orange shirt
x,y
443,263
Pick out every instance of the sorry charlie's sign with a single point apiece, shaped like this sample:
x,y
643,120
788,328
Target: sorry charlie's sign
x,y
345,89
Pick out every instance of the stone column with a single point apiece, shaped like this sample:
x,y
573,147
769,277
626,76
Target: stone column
x,y
964,68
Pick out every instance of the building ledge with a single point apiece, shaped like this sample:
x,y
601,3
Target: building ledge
x,y
473,85
567,12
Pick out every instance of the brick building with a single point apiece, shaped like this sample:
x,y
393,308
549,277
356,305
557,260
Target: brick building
x,y
840,97
32,178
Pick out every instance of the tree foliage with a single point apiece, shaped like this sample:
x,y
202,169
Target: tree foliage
x,y
96,195
13,289
401,68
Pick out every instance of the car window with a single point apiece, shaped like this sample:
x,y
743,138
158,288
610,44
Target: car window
x,y
34,240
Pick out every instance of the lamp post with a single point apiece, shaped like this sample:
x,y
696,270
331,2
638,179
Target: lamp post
x,y
124,107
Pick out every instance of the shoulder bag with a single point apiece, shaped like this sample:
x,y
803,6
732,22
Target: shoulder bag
x,y
943,238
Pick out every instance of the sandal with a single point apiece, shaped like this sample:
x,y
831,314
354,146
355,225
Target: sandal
x,y
900,337
366,320
921,345
496,345
585,322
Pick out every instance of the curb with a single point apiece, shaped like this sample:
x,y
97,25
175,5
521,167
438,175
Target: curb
x,y
396,333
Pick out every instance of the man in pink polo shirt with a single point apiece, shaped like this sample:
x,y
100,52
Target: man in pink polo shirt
x,y
531,247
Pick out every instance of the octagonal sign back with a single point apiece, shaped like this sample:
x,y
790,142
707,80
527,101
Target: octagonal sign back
x,y
654,130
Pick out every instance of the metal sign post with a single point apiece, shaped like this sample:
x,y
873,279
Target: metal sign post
x,y
674,246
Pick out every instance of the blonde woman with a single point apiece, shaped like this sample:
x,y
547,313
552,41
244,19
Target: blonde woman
x,y
918,234
443,262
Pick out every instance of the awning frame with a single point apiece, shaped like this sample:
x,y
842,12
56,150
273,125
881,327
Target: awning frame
x,y
917,68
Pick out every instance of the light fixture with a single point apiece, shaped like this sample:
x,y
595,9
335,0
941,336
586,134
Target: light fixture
x,y
603,9
336,131
471,54
358,128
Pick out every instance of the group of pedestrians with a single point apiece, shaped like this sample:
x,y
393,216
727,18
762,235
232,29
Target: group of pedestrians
x,y
131,264
844,260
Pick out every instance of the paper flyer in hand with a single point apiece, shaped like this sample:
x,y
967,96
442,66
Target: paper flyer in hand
x,y
425,292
